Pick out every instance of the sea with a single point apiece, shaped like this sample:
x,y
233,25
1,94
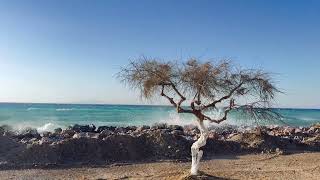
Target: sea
x,y
47,117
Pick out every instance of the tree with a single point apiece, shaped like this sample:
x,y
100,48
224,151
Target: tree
x,y
204,87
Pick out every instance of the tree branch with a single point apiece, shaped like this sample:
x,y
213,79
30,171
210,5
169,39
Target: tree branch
x,y
213,104
226,112
177,105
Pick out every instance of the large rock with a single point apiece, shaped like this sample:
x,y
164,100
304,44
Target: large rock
x,y
175,127
83,128
5,129
159,126
28,133
142,128
101,128
105,133
68,133
57,130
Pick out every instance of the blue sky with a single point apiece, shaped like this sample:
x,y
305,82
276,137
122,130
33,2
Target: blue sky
x,y
69,51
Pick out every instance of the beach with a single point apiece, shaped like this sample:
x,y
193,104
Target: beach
x,y
160,151
261,166
157,151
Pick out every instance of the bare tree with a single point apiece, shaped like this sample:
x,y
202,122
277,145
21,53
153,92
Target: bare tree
x,y
204,87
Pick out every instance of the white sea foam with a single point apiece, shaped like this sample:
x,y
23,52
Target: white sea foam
x,y
32,108
48,127
176,119
64,109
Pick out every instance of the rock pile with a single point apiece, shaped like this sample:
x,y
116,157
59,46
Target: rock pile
x,y
105,144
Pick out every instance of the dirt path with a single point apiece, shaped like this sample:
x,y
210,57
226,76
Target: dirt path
x,y
296,166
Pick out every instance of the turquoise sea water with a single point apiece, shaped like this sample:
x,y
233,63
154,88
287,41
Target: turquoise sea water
x,y
49,116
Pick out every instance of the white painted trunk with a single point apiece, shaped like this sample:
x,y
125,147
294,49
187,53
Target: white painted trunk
x,y
195,153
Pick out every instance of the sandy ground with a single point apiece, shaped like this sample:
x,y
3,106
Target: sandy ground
x,y
295,166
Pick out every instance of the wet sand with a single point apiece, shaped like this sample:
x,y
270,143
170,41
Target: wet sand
x,y
263,166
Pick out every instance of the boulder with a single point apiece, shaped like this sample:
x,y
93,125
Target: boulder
x,y
120,130
101,128
297,131
57,130
79,135
68,133
83,128
177,132
45,140
175,127
5,129
105,133
142,128
46,134
28,133
92,135
159,126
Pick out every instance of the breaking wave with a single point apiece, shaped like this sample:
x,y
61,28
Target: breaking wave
x,y
65,109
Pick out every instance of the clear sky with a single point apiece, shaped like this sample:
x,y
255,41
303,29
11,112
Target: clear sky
x,y
68,51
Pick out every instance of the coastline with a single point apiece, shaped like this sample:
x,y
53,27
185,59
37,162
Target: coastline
x,y
88,145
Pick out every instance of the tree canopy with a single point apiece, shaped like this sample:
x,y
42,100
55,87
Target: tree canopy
x,y
204,86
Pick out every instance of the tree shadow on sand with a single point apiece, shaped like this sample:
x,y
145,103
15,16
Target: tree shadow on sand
x,y
202,176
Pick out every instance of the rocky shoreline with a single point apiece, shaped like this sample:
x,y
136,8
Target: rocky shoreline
x,y
78,145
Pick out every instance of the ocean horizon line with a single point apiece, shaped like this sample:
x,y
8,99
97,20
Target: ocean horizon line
x,y
154,105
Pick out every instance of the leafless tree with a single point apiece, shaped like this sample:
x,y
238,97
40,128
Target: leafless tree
x,y
204,87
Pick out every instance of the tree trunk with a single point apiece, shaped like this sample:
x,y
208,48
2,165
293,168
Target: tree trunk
x,y
195,153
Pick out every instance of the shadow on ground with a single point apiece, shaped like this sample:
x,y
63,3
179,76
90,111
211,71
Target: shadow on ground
x,y
201,176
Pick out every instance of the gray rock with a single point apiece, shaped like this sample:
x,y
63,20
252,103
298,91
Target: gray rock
x,y
83,128
141,128
57,130
5,129
101,128
105,133
79,135
297,130
92,135
120,130
45,140
176,127
68,133
28,133
159,126
177,132
46,134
